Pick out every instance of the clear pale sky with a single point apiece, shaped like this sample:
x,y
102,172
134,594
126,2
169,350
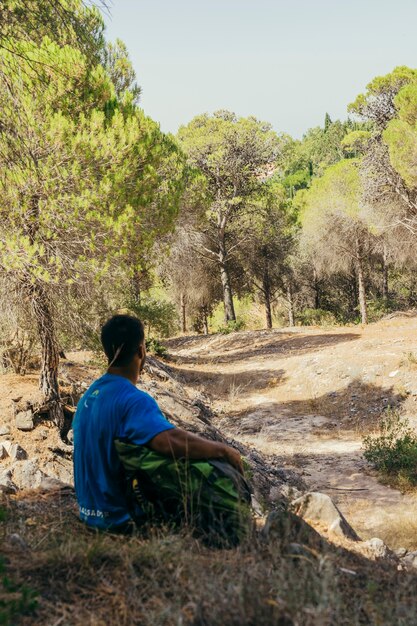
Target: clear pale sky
x,y
284,61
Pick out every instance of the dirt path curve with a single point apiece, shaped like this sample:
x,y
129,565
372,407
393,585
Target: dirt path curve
x,y
308,395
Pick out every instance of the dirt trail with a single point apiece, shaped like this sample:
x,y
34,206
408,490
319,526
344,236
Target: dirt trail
x,y
308,395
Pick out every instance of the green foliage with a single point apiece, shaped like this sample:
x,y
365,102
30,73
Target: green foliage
x,y
393,450
231,327
355,142
401,135
316,317
15,600
158,316
330,217
378,307
87,181
300,179
377,102
154,346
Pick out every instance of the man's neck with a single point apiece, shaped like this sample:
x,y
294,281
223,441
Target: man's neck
x,y
126,372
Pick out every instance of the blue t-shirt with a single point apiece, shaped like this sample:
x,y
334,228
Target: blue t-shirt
x,y
112,408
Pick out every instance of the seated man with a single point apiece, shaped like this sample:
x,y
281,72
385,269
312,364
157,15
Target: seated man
x,y
129,460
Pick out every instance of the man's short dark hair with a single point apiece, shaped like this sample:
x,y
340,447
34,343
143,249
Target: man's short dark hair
x,y
122,335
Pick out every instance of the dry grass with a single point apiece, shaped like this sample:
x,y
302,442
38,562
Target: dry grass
x,y
401,530
409,361
172,579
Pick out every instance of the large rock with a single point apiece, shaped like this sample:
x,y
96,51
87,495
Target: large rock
x,y
376,550
410,560
285,527
27,475
319,507
61,469
24,420
48,484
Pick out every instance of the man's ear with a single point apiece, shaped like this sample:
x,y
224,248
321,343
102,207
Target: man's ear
x,y
141,351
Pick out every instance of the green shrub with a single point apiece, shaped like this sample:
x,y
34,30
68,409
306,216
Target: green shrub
x,y
231,327
393,450
378,307
154,346
158,316
14,599
316,317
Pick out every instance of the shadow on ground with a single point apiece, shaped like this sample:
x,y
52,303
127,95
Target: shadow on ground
x,y
247,346
231,385
356,407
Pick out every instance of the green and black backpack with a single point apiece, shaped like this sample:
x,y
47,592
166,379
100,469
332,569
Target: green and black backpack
x,y
210,496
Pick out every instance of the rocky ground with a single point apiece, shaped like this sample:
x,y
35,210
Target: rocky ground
x,y
308,395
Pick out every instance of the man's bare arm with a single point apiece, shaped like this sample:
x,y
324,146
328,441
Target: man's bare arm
x,y
179,443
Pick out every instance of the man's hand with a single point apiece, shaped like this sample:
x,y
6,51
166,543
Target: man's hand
x,y
179,443
233,457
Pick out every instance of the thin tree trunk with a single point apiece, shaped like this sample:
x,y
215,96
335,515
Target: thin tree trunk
x,y
268,312
385,273
48,379
183,316
361,283
136,287
353,290
229,309
205,321
291,318
266,292
316,289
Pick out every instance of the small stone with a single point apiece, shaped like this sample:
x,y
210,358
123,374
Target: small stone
x,y
4,430
70,436
6,484
41,434
376,549
400,552
24,420
393,374
409,560
16,540
14,450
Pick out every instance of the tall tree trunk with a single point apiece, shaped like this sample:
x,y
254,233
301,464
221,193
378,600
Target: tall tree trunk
x,y
353,291
229,309
48,379
183,316
291,318
266,292
136,287
361,283
385,273
316,289
205,320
